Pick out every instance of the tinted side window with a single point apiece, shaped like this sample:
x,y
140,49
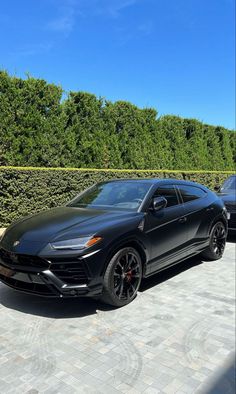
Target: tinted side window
x,y
229,184
169,193
190,193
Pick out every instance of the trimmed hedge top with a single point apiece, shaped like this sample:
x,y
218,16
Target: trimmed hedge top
x,y
111,170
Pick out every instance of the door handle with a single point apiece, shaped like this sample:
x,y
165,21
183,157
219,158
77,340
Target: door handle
x,y
210,209
183,219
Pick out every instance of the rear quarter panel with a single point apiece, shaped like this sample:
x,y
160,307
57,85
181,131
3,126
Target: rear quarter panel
x,y
202,213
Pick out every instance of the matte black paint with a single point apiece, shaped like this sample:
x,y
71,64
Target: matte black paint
x,y
229,199
162,238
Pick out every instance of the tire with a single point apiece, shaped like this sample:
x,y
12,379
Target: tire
x,y
122,278
217,243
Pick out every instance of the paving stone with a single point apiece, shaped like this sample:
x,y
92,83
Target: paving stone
x,y
151,390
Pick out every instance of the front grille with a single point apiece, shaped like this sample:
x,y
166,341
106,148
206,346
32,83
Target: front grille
x,y
13,259
69,271
232,221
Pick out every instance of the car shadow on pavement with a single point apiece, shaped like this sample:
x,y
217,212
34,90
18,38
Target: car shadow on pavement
x,y
223,380
76,307
55,308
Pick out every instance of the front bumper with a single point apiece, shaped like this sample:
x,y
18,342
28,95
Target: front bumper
x,y
60,277
232,220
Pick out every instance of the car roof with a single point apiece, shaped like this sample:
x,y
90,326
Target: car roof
x,y
157,181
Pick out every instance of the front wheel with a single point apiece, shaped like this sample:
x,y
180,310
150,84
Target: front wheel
x,y
217,243
122,277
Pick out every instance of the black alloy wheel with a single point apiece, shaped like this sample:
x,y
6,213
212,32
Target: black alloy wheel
x,y
217,244
219,239
122,277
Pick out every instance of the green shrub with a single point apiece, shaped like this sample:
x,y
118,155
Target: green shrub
x,y
24,191
39,126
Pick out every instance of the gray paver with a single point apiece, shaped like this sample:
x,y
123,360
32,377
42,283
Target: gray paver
x,y
174,337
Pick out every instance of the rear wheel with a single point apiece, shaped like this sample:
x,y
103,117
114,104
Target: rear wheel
x,y
122,277
216,247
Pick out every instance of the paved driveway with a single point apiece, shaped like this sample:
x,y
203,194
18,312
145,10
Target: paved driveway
x,y
177,336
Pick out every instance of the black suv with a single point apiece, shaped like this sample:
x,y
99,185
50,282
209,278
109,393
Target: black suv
x,y
111,236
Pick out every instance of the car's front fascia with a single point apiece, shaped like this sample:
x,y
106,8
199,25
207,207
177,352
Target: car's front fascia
x,y
229,200
40,267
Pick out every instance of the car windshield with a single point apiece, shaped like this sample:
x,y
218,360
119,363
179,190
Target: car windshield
x,y
121,195
229,184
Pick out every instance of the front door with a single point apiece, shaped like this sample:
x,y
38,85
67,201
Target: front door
x,y
166,229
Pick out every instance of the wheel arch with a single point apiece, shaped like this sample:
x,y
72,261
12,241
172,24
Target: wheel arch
x,y
219,218
133,243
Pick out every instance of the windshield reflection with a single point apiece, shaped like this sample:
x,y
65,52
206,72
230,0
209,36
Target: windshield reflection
x,y
125,195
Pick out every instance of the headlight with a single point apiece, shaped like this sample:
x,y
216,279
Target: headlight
x,y
2,235
76,243
227,213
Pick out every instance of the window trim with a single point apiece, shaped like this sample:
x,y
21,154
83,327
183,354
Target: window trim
x,y
196,199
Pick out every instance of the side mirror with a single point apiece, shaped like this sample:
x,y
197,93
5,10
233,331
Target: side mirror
x,y
158,203
217,188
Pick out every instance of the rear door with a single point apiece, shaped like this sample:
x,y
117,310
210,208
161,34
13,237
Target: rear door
x,y
166,229
198,212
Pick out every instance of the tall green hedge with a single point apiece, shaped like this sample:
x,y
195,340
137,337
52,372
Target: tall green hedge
x,y
24,191
41,127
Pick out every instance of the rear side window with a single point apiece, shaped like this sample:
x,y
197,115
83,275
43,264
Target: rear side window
x,y
169,192
191,193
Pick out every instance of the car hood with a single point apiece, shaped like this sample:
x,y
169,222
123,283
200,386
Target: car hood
x,y
229,197
37,230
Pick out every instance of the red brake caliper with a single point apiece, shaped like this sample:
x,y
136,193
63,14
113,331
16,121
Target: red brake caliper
x,y
129,275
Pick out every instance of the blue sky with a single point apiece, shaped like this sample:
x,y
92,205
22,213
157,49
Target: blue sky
x,y
174,55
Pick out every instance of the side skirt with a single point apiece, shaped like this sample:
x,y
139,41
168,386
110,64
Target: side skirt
x,y
176,258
